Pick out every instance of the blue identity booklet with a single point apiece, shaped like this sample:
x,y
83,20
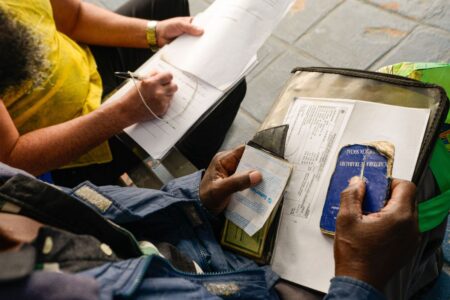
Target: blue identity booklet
x,y
374,165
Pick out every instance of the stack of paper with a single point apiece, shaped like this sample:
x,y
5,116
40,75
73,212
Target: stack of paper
x,y
206,67
234,31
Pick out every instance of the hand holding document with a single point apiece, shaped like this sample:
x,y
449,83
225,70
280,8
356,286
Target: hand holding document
x,y
319,127
234,31
250,209
206,67
192,99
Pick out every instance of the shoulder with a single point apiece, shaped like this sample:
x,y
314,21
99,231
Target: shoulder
x,y
34,13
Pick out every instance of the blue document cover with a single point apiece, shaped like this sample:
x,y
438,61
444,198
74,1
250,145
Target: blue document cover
x,y
356,160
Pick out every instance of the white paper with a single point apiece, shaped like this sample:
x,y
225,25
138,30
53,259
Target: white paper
x,y
250,208
302,253
234,30
193,98
315,131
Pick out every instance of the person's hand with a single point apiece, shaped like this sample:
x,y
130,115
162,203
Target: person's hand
x,y
220,180
371,248
157,90
168,30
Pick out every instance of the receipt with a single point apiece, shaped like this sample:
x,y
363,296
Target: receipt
x,y
250,209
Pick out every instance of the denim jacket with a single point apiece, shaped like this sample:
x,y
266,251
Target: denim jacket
x,y
174,215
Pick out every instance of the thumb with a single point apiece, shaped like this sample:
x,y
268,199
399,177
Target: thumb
x,y
352,197
191,29
238,182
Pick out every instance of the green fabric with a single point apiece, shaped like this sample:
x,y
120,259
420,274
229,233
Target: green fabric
x,y
432,211
440,165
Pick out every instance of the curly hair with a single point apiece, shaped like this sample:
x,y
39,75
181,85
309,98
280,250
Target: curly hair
x,y
21,55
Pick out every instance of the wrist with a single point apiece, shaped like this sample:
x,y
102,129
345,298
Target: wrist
x,y
118,114
151,35
361,274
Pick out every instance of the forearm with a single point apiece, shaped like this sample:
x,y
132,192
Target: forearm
x,y
94,25
52,147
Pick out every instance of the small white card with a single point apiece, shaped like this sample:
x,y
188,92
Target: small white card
x,y
250,208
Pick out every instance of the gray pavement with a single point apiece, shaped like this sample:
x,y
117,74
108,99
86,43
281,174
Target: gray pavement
x,y
363,34
341,33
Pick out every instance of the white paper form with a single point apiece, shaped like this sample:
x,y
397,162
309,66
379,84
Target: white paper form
x,y
193,98
302,253
315,130
234,31
250,208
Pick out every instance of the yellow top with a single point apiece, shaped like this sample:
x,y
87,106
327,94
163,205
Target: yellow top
x,y
72,86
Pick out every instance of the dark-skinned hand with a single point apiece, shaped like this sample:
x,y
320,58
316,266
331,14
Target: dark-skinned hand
x,y
372,247
220,180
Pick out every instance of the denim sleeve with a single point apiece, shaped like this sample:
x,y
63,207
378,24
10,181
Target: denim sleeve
x,y
189,187
348,288
185,187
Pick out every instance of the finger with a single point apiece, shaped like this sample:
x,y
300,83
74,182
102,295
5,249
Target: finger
x,y
255,178
237,182
352,197
230,159
238,151
163,78
402,196
170,89
187,27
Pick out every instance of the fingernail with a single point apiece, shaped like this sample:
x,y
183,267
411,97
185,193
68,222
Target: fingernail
x,y
255,177
354,180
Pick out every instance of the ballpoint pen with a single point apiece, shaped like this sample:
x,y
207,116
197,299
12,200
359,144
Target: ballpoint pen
x,y
129,75
133,76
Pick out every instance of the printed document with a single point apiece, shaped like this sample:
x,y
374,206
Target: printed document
x,y
318,128
205,67
234,31
192,99
250,208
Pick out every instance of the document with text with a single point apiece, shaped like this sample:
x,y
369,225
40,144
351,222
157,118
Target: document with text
x,y
193,98
249,209
234,31
318,129
205,68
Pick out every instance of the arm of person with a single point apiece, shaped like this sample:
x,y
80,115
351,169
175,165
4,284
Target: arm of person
x,y
362,265
369,249
90,24
48,148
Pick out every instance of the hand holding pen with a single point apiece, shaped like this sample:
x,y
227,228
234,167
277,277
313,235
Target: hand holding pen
x,y
152,96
